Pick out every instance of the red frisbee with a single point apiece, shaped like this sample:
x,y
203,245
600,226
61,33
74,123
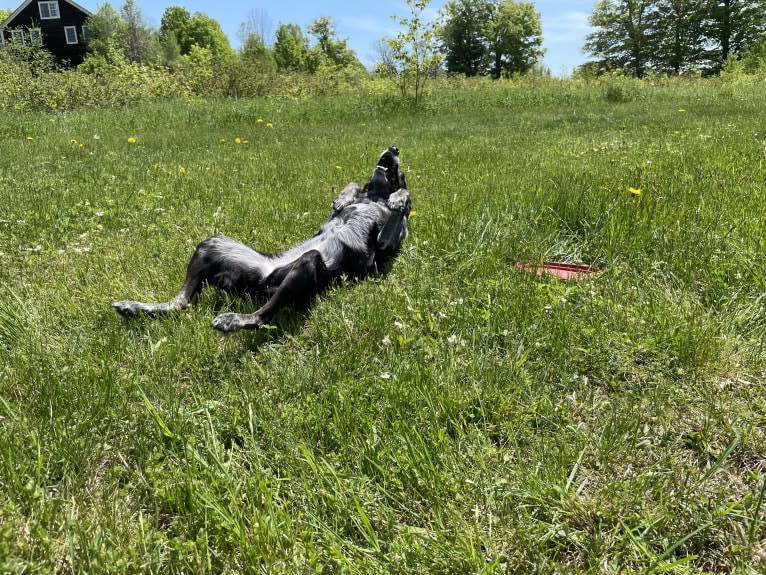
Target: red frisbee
x,y
561,270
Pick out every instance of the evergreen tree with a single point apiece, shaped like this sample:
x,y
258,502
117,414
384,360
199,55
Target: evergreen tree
x,y
622,37
677,44
732,26
672,36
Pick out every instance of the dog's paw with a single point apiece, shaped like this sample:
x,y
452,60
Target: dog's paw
x,y
127,308
228,322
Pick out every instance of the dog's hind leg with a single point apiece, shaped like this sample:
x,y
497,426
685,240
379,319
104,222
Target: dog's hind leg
x,y
220,261
186,296
295,285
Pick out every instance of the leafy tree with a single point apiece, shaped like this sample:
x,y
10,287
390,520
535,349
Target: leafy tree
x,y
291,48
385,65
621,40
195,30
497,37
256,54
515,38
206,32
139,41
414,50
106,29
733,26
329,49
464,35
5,13
753,59
258,23
174,22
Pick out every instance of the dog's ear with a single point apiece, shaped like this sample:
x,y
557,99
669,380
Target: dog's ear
x,y
393,233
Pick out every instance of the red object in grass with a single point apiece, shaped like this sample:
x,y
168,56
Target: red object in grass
x,y
561,270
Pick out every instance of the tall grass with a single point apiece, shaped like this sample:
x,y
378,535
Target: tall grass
x,y
455,416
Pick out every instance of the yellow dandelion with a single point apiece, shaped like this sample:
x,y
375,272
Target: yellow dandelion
x,y
259,121
681,110
82,146
237,140
269,125
338,168
29,138
72,142
132,140
635,191
245,142
413,213
181,171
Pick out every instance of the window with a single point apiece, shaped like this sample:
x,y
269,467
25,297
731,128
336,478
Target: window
x,y
17,37
35,37
71,34
84,33
49,10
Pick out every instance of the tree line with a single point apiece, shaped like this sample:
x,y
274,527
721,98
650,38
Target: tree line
x,y
182,33
495,38
677,37
472,37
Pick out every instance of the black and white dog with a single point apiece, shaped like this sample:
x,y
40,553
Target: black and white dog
x,y
364,232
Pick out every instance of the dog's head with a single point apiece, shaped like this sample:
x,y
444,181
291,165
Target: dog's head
x,y
389,159
386,177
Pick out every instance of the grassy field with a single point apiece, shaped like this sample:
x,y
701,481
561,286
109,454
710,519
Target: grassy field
x,y
455,416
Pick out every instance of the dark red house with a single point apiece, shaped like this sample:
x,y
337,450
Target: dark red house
x,y
59,25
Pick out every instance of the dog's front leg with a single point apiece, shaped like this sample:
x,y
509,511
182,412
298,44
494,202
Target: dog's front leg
x,y
296,284
347,196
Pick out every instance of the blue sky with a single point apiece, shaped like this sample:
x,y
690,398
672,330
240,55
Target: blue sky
x,y
362,22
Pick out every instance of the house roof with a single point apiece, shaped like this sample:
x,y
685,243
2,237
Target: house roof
x,y
26,3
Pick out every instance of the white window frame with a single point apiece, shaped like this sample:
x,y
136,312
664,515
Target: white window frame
x,y
17,36
35,36
53,10
73,30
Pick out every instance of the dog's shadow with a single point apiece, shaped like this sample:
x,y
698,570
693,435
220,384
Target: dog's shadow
x,y
289,321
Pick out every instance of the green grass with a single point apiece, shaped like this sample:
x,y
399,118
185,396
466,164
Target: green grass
x,y
455,416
